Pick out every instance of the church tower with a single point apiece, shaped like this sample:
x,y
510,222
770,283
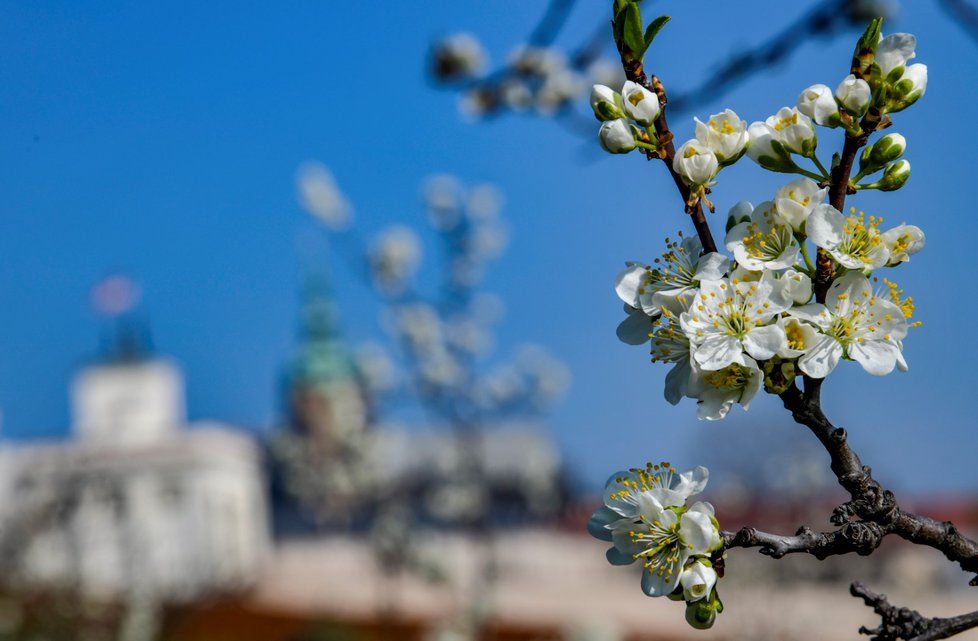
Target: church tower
x,y
324,394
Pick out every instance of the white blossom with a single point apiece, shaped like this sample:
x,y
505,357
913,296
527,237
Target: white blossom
x,y
801,337
818,103
725,133
853,241
640,104
680,268
696,162
903,241
725,320
645,516
894,51
790,128
854,323
763,242
716,391
458,56
797,200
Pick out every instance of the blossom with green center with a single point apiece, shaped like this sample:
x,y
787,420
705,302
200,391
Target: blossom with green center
x,y
726,319
680,269
858,324
765,241
853,241
645,516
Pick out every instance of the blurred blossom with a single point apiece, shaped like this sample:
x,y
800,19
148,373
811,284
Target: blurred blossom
x,y
558,90
548,377
439,369
377,368
536,60
320,196
394,258
484,202
459,56
458,500
419,324
467,335
477,102
488,241
516,94
606,72
442,194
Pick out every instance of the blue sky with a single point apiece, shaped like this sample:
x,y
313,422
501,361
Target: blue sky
x,y
163,140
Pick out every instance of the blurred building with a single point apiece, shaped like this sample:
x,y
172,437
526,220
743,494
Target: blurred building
x,y
137,501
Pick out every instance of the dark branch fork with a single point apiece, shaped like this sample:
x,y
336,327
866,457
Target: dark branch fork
x,y
872,511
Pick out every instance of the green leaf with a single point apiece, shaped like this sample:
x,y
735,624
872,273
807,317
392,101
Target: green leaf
x,y
632,31
871,37
620,25
653,30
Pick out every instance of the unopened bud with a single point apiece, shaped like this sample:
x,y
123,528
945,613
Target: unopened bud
x,y
895,176
739,213
617,136
884,151
854,95
606,103
701,614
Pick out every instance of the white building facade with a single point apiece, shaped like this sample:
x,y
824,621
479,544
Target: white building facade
x,y
138,501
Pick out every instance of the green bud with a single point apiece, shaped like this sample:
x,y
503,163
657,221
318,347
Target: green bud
x,y
606,103
865,52
894,176
881,153
701,614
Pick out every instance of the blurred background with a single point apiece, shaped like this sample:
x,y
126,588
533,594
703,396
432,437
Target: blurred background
x,y
309,327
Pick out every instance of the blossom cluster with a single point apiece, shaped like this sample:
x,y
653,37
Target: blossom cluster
x,y
732,326
628,122
645,517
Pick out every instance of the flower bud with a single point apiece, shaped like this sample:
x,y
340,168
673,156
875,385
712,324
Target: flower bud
x,y
697,581
884,151
766,150
701,614
797,200
695,162
640,104
911,86
616,136
894,177
854,95
818,103
606,103
739,213
796,286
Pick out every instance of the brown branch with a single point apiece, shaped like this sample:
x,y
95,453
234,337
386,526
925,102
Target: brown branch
x,y
667,150
869,501
859,537
898,623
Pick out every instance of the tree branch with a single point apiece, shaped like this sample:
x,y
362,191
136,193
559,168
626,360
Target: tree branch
x,y
859,537
903,623
667,150
869,501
